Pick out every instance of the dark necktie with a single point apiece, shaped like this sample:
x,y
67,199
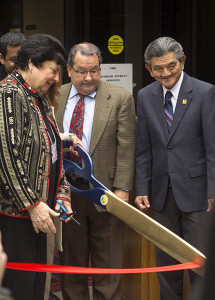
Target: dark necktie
x,y
76,126
168,109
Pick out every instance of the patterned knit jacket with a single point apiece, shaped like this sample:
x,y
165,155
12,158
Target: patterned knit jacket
x,y
25,154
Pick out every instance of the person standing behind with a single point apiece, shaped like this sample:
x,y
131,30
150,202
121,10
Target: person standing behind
x,y
175,152
109,137
10,43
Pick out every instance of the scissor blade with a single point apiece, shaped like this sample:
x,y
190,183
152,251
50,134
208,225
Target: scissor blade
x,y
159,235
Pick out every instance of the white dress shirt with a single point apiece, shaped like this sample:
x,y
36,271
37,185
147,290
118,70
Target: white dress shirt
x,y
89,107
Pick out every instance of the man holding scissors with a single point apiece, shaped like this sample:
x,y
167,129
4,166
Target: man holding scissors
x,y
106,127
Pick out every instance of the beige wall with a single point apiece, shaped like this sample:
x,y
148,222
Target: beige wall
x,y
47,15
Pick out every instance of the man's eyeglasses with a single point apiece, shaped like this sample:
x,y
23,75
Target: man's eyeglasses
x,y
83,73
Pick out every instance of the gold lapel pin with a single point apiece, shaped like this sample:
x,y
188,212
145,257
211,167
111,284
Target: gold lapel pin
x,y
184,101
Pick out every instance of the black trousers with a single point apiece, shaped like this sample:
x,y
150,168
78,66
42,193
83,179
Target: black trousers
x,y
190,227
206,290
23,245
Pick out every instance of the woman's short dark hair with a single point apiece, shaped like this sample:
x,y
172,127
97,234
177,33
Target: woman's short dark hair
x,y
40,48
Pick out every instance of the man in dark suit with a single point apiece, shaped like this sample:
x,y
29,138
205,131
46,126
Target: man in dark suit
x,y
109,137
10,43
175,152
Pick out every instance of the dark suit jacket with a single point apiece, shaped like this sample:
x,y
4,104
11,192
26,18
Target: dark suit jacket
x,y
3,72
186,154
112,145
205,289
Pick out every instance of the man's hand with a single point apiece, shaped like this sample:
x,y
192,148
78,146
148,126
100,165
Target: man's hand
x,y
142,202
41,218
123,195
68,208
210,204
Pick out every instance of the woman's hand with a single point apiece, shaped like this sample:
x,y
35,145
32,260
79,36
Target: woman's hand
x,y
68,208
41,218
76,141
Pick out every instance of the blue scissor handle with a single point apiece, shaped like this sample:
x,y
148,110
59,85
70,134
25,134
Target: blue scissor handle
x,y
97,193
65,215
63,209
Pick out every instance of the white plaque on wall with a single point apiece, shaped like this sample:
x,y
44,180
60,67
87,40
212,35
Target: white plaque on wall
x,y
118,74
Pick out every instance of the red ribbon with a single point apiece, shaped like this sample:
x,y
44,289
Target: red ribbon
x,y
81,270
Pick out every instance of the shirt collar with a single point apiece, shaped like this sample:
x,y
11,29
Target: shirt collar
x,y
175,90
74,92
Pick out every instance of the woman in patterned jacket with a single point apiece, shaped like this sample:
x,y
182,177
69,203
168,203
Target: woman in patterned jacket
x,y
31,173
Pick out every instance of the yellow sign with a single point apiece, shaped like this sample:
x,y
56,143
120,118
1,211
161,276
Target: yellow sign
x,y
115,44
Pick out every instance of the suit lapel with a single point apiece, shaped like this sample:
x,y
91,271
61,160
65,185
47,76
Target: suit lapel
x,y
101,115
158,104
65,90
183,101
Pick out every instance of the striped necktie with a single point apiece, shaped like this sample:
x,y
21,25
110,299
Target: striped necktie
x,y
168,109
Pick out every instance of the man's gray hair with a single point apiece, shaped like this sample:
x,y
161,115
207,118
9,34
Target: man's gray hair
x,y
86,49
161,47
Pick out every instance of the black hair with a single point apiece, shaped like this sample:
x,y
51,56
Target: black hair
x,y
12,39
39,48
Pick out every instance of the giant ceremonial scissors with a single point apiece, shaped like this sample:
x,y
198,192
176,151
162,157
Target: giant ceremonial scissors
x,y
159,235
